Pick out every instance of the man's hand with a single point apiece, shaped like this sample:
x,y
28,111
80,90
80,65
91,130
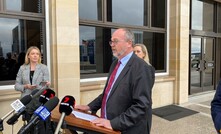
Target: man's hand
x,y
82,107
102,122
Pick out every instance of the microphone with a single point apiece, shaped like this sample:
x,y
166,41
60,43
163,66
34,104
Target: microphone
x,y
39,92
46,95
66,107
17,106
41,113
34,92
15,117
23,101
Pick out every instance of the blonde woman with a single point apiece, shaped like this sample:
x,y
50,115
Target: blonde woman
x,y
141,51
31,73
30,76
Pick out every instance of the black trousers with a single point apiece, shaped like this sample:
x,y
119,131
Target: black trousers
x,y
41,127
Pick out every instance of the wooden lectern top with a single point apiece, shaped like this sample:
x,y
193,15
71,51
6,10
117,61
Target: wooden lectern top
x,y
71,120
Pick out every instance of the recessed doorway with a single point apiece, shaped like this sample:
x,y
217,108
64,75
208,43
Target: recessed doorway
x,y
202,64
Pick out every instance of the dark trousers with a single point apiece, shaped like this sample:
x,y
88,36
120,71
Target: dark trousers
x,y
42,127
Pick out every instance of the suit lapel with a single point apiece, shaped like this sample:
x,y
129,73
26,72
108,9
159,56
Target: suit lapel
x,y
27,74
122,74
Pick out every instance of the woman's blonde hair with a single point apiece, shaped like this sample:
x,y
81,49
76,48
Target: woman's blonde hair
x,y
145,51
27,61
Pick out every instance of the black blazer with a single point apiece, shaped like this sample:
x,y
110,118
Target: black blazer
x,y
129,106
216,108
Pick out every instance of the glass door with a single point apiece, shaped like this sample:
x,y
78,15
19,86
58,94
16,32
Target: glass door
x,y
202,64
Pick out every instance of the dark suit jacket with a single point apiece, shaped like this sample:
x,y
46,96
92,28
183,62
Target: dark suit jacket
x,y
216,108
129,106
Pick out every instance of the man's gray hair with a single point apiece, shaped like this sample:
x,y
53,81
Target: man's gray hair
x,y
129,35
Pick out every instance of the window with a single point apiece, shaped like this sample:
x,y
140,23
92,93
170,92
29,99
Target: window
x,y
158,16
91,50
129,12
202,15
96,56
95,51
18,34
34,6
219,18
90,9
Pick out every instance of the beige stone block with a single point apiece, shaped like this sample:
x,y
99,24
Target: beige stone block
x,y
185,23
174,43
184,63
172,54
88,96
68,70
184,36
185,8
162,94
69,86
68,54
67,35
184,45
173,64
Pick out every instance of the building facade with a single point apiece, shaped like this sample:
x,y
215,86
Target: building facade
x,y
183,39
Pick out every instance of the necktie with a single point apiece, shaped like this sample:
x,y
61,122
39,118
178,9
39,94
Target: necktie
x,y
107,90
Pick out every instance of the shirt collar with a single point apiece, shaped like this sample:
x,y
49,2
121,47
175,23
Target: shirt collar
x,y
126,58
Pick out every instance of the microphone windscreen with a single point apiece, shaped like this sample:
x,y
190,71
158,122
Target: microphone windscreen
x,y
51,104
46,95
34,92
26,99
67,104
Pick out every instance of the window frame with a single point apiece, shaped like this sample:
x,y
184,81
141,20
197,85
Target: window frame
x,y
28,16
105,24
23,13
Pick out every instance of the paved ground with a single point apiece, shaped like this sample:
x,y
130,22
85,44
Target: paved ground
x,y
200,123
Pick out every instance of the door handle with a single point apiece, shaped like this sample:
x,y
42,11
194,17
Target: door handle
x,y
201,65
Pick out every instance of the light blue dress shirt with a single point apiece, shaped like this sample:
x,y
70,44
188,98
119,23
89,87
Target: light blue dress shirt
x,y
123,61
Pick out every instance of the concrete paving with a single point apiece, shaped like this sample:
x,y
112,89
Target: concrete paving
x,y
200,123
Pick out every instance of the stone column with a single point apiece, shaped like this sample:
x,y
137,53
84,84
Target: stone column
x,y
64,47
179,48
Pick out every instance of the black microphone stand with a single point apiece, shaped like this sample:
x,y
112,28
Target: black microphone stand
x,y
25,118
2,119
63,126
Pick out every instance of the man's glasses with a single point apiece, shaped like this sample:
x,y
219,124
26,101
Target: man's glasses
x,y
115,42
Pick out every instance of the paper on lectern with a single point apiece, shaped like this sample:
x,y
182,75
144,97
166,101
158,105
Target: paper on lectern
x,y
83,116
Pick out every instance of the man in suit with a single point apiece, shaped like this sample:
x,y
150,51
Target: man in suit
x,y
216,109
125,103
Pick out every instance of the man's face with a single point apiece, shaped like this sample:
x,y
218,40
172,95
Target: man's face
x,y
119,45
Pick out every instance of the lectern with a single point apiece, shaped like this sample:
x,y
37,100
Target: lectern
x,y
78,124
